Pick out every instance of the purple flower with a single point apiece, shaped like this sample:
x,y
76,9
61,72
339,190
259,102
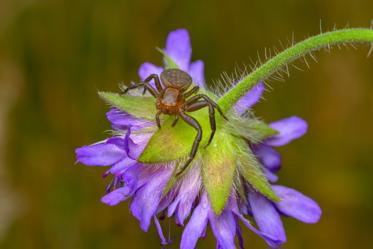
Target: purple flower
x,y
187,200
178,47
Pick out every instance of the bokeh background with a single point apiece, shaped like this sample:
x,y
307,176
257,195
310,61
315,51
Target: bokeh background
x,y
56,54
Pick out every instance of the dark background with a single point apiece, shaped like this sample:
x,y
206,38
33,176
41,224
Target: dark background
x,y
55,55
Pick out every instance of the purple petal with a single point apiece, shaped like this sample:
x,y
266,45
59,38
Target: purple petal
x,y
146,69
203,236
144,173
122,121
118,141
147,198
270,176
250,98
188,192
132,177
267,218
239,235
196,225
224,228
167,200
297,205
137,143
269,157
102,154
289,129
116,196
243,207
178,48
121,166
272,241
196,70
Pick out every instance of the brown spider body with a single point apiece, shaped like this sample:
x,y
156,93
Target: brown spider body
x,y
174,98
170,102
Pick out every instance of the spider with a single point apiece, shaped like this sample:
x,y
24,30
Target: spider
x,y
175,99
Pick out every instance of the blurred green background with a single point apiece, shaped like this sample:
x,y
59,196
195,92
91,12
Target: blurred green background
x,y
56,54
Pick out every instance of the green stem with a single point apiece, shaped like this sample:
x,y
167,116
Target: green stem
x,y
229,99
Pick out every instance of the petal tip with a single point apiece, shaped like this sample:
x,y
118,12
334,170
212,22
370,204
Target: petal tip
x,y
289,129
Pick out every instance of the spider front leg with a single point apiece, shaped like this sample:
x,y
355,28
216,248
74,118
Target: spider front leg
x,y
194,123
157,83
175,121
157,119
156,80
147,86
196,105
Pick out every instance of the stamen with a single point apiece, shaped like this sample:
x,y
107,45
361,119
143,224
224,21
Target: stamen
x,y
160,232
169,231
239,234
109,186
104,175
116,181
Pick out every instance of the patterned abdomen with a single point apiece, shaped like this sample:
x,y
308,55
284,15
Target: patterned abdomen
x,y
176,78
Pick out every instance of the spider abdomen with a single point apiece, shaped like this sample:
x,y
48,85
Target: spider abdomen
x,y
170,101
176,78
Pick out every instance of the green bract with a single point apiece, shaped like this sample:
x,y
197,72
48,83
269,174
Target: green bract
x,y
167,60
138,106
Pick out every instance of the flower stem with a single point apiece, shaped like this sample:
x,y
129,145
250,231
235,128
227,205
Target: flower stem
x,y
355,35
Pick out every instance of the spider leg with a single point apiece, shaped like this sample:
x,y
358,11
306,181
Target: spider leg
x,y
191,92
157,83
147,86
194,123
156,80
158,119
199,105
127,89
207,99
144,90
175,121
152,91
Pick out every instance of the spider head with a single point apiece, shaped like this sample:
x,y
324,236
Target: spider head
x,y
176,78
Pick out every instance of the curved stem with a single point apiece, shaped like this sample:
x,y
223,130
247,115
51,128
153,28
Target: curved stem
x,y
356,35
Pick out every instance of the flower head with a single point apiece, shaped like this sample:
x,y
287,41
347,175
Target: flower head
x,y
228,181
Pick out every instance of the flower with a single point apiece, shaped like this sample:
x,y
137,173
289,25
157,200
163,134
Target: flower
x,y
228,181
178,47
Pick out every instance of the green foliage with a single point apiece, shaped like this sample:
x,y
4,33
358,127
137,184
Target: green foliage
x,y
251,129
251,170
173,143
171,182
167,60
138,106
218,170
168,143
